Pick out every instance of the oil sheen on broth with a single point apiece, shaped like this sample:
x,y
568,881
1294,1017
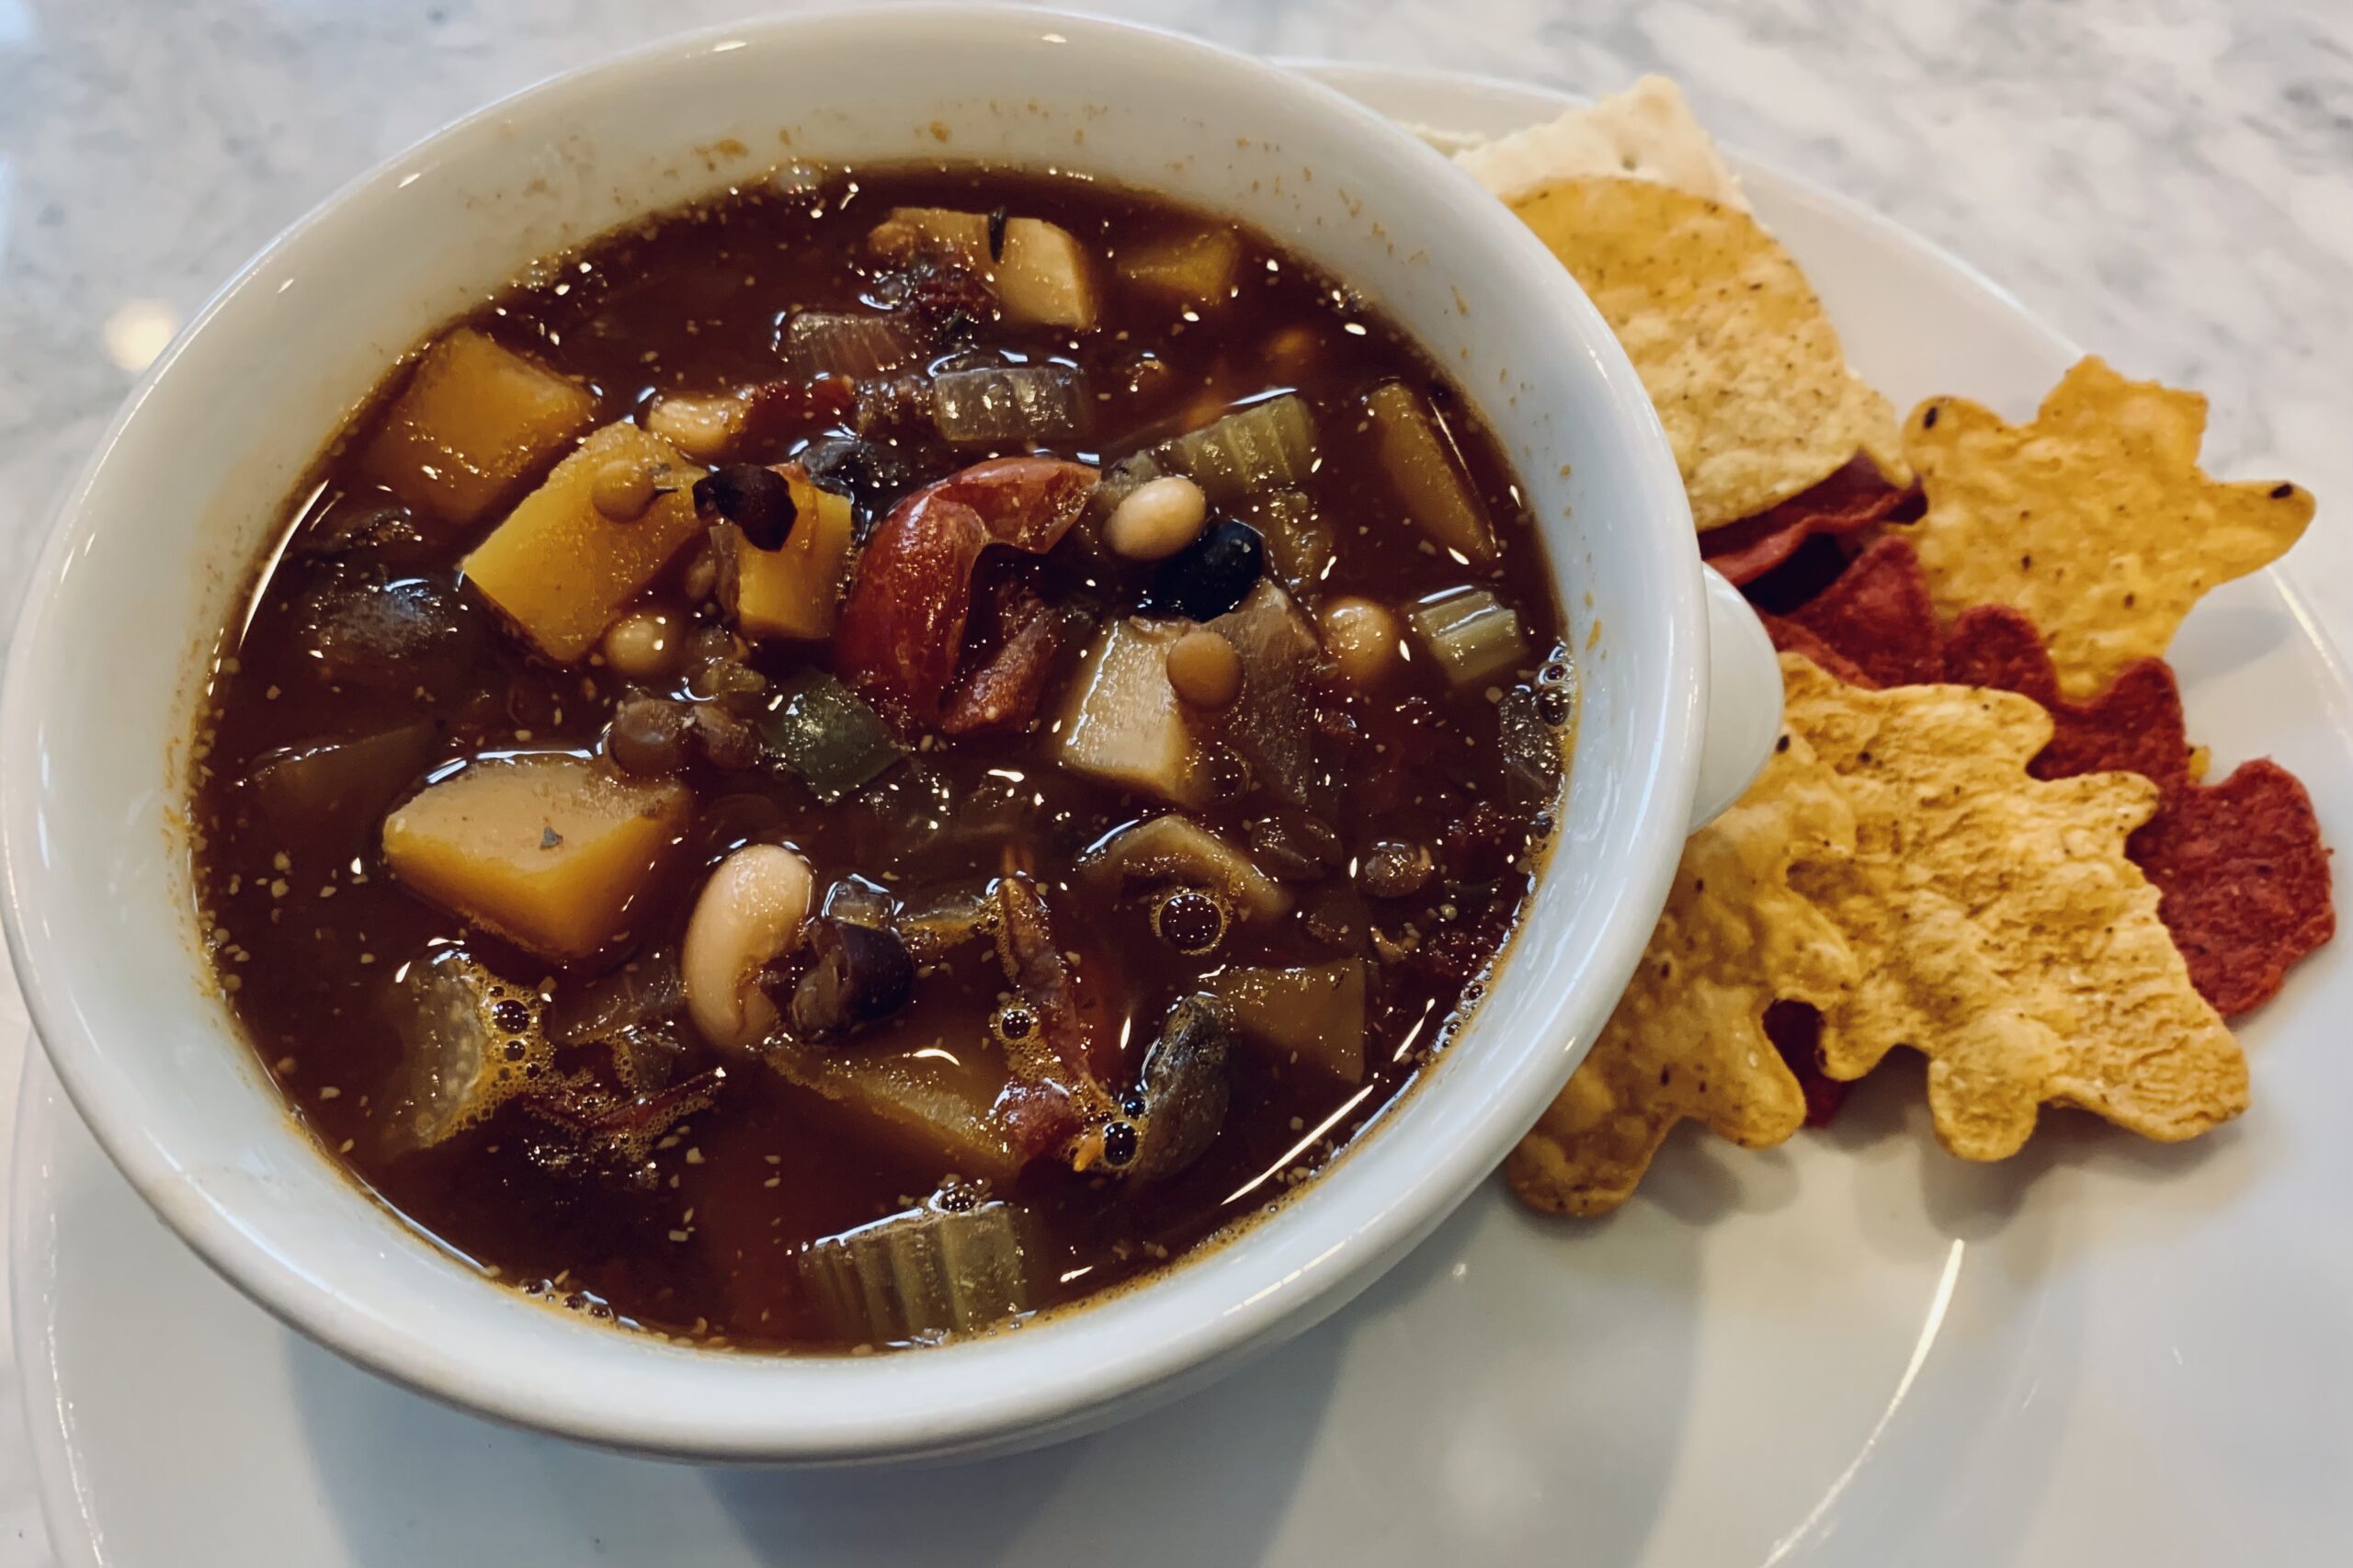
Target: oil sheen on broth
x,y
1148,845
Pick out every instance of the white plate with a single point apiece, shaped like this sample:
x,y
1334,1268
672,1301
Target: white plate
x,y
1853,1349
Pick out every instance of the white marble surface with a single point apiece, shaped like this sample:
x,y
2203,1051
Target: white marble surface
x,y
2170,181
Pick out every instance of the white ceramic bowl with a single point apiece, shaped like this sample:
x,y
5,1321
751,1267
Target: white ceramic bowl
x,y
159,539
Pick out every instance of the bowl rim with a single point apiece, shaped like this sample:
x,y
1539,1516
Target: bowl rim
x,y
1046,1400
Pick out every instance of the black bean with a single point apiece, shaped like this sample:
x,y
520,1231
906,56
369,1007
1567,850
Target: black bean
x,y
754,498
1211,576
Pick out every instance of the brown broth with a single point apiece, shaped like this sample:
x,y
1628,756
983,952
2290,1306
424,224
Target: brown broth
x,y
310,930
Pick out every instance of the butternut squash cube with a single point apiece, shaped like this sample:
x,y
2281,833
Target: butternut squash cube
x,y
548,850
794,590
1123,723
474,421
562,570
1194,269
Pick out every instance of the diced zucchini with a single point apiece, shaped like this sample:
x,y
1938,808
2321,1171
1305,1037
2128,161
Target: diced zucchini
x,y
1474,637
828,734
1313,1015
1178,849
1267,446
548,850
1043,276
794,590
934,1104
1423,465
562,570
930,1271
475,420
1122,722
1188,269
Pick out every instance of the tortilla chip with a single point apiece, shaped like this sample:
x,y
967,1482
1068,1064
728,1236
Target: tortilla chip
x,y
2242,875
2240,872
1646,132
2095,520
1854,498
1732,344
1998,927
1688,1039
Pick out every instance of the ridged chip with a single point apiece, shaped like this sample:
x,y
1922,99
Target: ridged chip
x,y
1731,342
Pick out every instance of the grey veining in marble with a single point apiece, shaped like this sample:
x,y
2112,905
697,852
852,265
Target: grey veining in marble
x,y
2170,181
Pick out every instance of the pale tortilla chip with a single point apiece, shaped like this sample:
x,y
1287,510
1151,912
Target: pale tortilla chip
x,y
1646,132
2095,520
1687,1039
1997,925
1730,341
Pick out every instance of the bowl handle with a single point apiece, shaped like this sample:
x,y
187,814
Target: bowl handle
x,y
1743,701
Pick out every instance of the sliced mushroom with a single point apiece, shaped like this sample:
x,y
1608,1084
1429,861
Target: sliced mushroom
x,y
857,974
1184,1092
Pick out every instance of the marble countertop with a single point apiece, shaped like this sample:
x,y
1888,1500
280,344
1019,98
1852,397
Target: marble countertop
x,y
2166,180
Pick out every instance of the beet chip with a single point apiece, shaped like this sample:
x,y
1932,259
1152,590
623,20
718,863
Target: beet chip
x,y
1850,500
2239,865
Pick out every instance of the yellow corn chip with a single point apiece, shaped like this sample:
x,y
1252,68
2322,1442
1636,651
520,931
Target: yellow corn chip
x,y
1687,1039
1730,341
2095,520
1998,927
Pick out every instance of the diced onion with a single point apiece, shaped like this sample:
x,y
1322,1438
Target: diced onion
x,y
1007,405
839,343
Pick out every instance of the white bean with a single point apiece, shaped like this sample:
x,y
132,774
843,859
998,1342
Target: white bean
x,y
1157,518
748,915
644,644
702,427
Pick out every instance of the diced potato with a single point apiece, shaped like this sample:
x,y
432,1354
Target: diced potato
x,y
1178,849
1313,1015
548,850
1272,723
1043,278
474,421
1421,461
563,571
1186,269
794,590
1122,722
933,1104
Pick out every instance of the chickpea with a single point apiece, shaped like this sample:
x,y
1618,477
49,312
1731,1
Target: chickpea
x,y
644,645
1157,518
1361,637
622,489
1204,669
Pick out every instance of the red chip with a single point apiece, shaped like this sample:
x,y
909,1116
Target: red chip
x,y
1795,1029
2240,872
1878,617
1849,500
